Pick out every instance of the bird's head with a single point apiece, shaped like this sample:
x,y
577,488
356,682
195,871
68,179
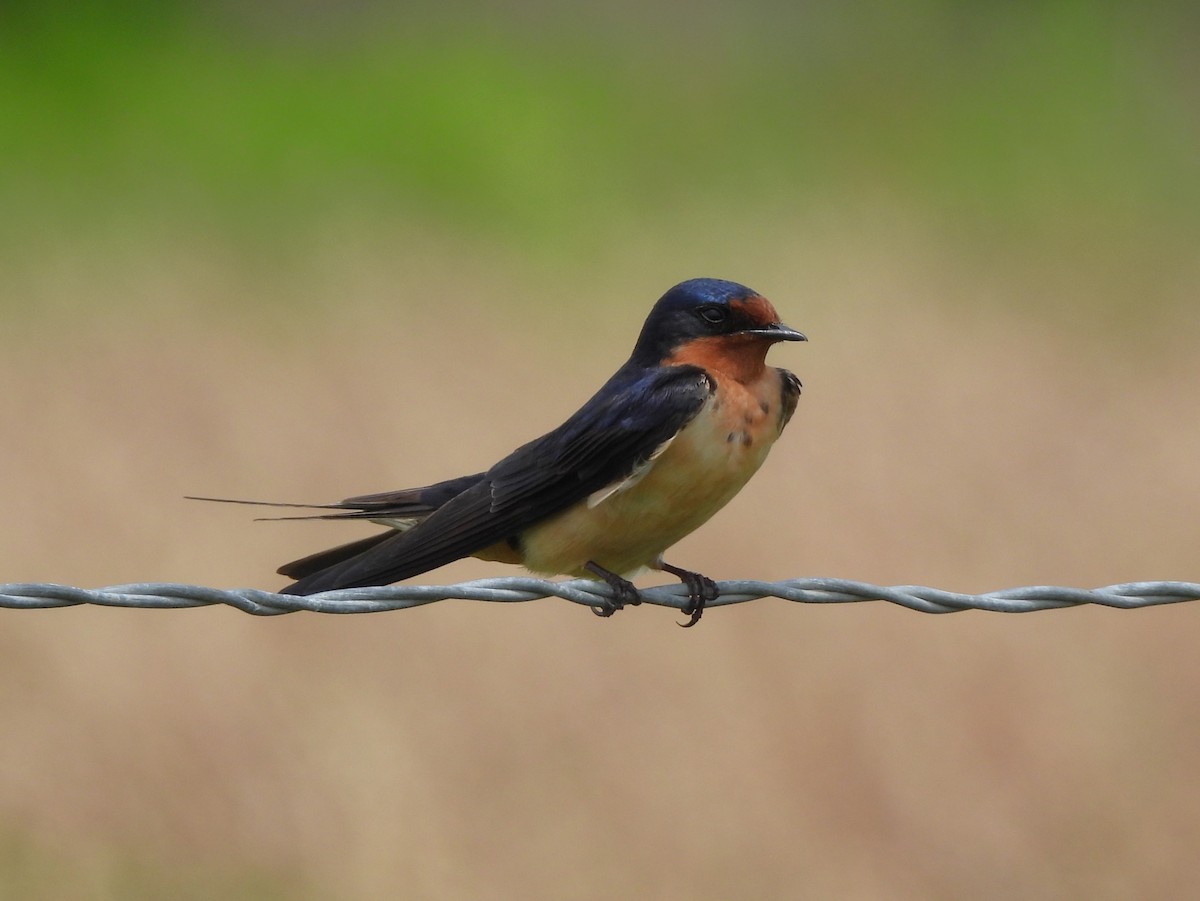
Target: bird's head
x,y
712,323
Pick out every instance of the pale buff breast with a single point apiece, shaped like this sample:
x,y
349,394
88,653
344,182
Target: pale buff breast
x,y
628,525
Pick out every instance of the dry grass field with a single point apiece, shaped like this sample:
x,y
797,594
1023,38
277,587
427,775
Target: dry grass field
x,y
947,436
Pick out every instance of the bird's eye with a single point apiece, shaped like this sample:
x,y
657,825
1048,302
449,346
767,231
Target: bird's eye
x,y
713,314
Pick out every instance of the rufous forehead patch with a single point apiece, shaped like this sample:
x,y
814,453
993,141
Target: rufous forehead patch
x,y
756,308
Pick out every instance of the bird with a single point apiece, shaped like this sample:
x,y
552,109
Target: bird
x,y
666,442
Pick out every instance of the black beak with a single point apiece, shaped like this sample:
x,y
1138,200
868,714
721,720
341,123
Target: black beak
x,y
777,331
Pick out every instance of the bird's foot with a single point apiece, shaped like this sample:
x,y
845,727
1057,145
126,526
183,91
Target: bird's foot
x,y
623,591
701,590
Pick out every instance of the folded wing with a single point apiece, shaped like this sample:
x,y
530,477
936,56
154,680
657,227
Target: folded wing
x,y
606,440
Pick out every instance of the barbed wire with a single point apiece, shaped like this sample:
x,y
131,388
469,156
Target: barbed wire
x,y
596,595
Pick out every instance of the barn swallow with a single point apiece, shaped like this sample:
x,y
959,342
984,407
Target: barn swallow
x,y
665,443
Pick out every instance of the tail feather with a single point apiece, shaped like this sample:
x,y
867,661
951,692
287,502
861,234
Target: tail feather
x,y
401,510
314,563
424,499
238,500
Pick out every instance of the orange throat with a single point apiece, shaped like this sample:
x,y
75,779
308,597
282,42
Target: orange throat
x,y
739,357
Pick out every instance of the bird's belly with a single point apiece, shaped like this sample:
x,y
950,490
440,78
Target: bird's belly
x,y
699,472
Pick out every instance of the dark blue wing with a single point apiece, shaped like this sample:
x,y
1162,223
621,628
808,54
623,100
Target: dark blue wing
x,y
620,427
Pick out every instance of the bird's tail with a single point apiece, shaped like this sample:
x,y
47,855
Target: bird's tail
x,y
399,510
314,563
345,509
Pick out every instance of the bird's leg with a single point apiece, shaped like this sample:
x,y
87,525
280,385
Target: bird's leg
x,y
623,590
701,589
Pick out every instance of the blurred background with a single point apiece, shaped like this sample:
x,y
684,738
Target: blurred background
x,y
303,251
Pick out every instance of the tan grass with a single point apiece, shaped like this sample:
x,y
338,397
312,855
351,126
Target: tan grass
x,y
533,751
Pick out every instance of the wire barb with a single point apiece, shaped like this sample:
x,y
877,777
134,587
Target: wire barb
x,y
517,589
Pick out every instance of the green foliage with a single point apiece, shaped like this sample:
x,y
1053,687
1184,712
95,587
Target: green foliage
x,y
1036,119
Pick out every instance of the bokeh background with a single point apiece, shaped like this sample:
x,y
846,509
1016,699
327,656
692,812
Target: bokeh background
x,y
302,251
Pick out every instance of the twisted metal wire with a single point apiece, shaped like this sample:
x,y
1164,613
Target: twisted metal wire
x,y
596,595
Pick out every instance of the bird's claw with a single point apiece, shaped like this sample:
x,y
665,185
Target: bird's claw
x,y
701,590
623,592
